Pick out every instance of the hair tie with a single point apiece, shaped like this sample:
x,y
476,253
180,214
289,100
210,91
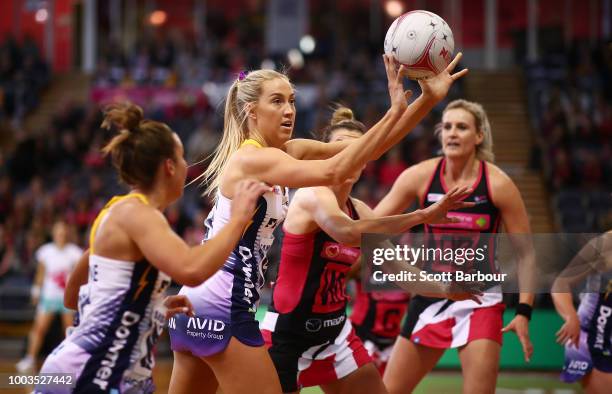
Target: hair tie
x,y
242,75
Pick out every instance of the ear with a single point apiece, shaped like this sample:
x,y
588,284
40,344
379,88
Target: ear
x,y
479,137
251,111
169,167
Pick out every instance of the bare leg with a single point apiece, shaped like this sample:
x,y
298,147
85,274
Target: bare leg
x,y
480,366
597,382
42,321
243,368
364,380
67,319
408,364
190,374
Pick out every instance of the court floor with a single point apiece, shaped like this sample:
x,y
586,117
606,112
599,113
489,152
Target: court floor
x,y
446,382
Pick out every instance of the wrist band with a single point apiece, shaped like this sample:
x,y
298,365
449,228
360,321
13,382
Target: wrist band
x,y
524,310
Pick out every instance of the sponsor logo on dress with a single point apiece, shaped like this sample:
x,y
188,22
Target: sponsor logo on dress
x,y
480,200
434,197
481,222
313,325
602,320
247,256
332,250
579,365
338,252
109,361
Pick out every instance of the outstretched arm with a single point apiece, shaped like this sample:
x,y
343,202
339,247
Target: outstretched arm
x,y
433,89
404,191
508,200
323,205
169,253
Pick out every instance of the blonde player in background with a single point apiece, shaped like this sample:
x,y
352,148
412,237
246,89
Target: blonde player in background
x,y
433,325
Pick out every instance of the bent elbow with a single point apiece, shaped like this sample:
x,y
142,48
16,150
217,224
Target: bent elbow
x,y
351,238
70,304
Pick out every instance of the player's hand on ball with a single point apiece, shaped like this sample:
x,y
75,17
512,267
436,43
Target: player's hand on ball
x,y
435,88
569,331
245,198
395,79
437,213
176,304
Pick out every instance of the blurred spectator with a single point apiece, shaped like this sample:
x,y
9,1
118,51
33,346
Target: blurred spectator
x,y
23,76
572,112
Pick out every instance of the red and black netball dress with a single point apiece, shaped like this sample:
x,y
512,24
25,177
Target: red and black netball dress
x,y
377,318
310,339
442,323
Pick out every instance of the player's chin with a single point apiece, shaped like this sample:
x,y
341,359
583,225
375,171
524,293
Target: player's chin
x,y
285,133
454,152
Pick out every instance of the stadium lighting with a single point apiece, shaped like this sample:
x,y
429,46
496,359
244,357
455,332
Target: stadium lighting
x,y
296,60
394,8
41,15
307,44
158,18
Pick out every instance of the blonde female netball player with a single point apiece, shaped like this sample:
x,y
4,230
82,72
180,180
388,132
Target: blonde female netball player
x,y
433,325
132,257
222,343
307,331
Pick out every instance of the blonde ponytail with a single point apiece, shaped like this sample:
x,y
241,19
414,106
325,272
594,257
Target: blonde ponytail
x,y
243,93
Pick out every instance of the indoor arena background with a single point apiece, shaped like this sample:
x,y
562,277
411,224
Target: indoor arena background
x,y
542,70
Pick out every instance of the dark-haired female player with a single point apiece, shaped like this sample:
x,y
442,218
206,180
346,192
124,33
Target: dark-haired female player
x,y
132,257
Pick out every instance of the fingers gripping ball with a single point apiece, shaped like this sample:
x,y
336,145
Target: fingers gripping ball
x,y
421,41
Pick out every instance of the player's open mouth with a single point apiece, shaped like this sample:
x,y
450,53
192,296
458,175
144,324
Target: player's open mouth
x,y
287,124
452,144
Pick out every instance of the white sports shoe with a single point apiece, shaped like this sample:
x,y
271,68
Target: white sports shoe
x,y
26,364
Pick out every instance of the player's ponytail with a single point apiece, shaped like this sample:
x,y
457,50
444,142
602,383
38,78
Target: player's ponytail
x,y
243,93
140,147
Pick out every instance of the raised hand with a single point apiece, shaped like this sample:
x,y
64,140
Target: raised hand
x,y
437,213
245,198
435,88
395,79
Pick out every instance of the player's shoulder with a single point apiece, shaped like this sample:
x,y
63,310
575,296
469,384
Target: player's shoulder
x,y
420,171
498,178
134,211
46,248
73,248
312,195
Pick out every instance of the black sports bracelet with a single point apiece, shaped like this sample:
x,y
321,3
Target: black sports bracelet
x,y
524,310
